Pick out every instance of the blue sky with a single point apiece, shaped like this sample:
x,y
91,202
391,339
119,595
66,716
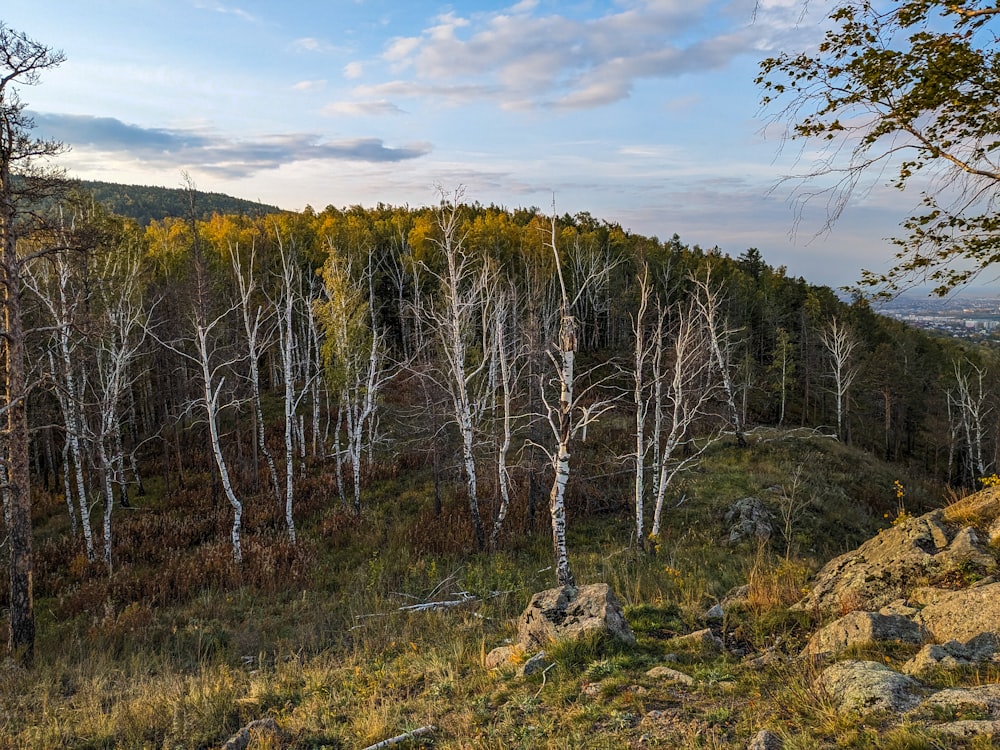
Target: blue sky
x,y
642,112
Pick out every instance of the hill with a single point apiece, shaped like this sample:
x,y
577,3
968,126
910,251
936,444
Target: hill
x,y
145,203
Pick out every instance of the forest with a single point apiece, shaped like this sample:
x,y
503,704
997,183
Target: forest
x,y
184,332
289,477
269,350
240,407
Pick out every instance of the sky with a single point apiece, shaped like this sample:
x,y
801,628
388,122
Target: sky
x,y
641,112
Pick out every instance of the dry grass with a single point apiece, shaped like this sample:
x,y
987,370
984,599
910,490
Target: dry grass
x,y
179,649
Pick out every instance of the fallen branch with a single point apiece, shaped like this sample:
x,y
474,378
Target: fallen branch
x,y
464,598
402,737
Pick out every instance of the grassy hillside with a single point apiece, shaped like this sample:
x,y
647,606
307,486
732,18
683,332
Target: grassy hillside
x,y
177,648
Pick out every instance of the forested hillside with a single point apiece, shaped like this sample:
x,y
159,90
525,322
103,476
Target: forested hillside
x,y
482,340
256,404
145,204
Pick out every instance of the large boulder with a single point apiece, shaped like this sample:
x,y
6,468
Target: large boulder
x,y
859,628
962,615
866,686
571,613
891,564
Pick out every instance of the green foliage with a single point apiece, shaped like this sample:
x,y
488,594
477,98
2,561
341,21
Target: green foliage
x,y
911,88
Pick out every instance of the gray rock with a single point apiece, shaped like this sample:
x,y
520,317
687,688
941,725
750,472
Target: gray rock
x,y
969,728
858,628
866,686
985,698
899,607
882,569
965,549
952,654
570,613
266,730
667,674
715,613
749,518
536,663
765,739
962,615
933,656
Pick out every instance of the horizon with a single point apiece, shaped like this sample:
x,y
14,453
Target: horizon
x,y
641,112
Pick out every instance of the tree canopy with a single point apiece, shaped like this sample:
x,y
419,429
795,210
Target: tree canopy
x,y
907,88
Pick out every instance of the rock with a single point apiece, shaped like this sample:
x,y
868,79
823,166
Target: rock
x,y
966,549
898,560
749,518
933,656
715,613
569,613
962,615
765,739
899,607
858,628
502,655
969,728
536,663
703,642
952,654
983,698
882,569
670,675
866,686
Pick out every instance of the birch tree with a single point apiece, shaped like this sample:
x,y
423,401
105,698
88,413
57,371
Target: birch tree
x,y
840,342
354,353
122,325
570,416
461,290
254,319
686,382
721,342
22,61
50,279
970,399
509,355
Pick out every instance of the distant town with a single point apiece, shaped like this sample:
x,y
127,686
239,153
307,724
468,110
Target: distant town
x,y
971,317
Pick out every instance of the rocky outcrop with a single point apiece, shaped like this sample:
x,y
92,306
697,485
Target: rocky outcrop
x,y
866,686
897,560
961,615
953,654
765,739
860,628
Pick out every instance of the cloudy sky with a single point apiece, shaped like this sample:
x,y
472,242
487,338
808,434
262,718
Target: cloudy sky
x,y
641,112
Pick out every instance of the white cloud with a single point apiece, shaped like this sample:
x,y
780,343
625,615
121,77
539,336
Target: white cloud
x,y
312,44
519,58
353,70
318,85
367,108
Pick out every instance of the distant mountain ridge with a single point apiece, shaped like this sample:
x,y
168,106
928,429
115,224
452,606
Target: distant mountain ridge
x,y
145,203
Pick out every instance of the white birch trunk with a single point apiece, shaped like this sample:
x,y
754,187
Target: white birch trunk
x,y
210,396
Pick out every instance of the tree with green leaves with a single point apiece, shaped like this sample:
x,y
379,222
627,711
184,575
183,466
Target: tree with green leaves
x,y
908,88
24,179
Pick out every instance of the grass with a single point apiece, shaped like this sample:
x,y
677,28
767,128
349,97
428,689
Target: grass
x,y
177,648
